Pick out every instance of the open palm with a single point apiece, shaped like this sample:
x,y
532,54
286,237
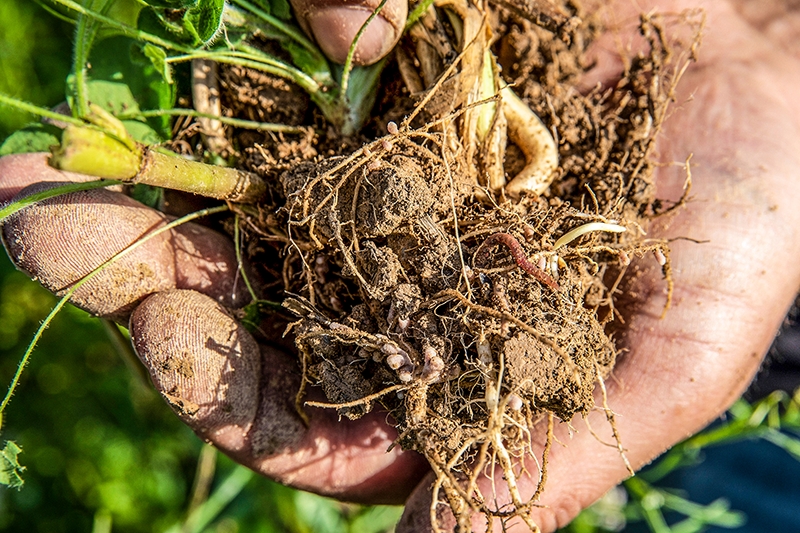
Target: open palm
x,y
733,282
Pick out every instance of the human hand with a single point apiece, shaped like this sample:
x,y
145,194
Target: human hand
x,y
230,390
736,113
680,372
334,24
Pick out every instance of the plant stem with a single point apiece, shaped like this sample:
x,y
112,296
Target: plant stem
x,y
260,62
13,207
124,28
94,153
175,172
348,64
237,122
39,111
237,246
294,33
84,35
418,12
224,494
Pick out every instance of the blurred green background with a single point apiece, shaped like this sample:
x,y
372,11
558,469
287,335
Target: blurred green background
x,y
102,451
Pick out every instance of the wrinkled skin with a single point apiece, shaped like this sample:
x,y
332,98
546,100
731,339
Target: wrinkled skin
x,y
677,373
334,24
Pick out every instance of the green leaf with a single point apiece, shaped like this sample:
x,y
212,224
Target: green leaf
x,y
281,9
153,22
315,65
124,79
277,8
10,469
204,19
33,138
148,195
171,4
158,57
124,11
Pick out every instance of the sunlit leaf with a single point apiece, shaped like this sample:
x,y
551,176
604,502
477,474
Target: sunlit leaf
x,y
10,469
158,57
33,138
204,19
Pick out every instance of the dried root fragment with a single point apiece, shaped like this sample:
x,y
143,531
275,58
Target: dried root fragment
x,y
206,99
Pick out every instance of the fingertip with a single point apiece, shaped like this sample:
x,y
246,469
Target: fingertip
x,y
335,29
335,23
18,171
203,361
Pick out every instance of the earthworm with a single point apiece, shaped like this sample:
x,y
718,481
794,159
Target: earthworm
x,y
515,248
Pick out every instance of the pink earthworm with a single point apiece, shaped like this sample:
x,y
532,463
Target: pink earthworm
x,y
515,248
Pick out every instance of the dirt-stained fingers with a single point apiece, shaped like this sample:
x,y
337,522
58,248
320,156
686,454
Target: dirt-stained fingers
x,y
61,240
240,397
335,23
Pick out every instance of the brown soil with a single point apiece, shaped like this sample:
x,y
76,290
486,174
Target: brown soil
x,y
418,290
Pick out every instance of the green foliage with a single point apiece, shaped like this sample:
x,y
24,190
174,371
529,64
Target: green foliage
x,y
38,76
10,469
775,419
130,85
33,138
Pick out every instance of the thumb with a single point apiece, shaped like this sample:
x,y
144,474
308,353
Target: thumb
x,y
240,397
335,23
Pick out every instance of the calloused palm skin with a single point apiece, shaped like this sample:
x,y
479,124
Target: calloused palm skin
x,y
735,112
742,126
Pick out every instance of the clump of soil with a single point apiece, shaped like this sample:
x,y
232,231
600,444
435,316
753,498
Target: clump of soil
x,y
418,288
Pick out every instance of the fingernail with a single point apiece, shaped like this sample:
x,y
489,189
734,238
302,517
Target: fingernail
x,y
335,29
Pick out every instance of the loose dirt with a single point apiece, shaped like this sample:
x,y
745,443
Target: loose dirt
x,y
416,287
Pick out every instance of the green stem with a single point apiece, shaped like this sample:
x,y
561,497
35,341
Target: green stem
x,y
223,183
124,28
224,494
39,111
92,152
13,207
237,122
348,63
85,32
258,62
288,30
237,246
418,12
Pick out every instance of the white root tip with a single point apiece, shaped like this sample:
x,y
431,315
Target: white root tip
x,y
402,324
395,361
534,139
386,145
660,257
573,234
391,127
406,374
514,402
